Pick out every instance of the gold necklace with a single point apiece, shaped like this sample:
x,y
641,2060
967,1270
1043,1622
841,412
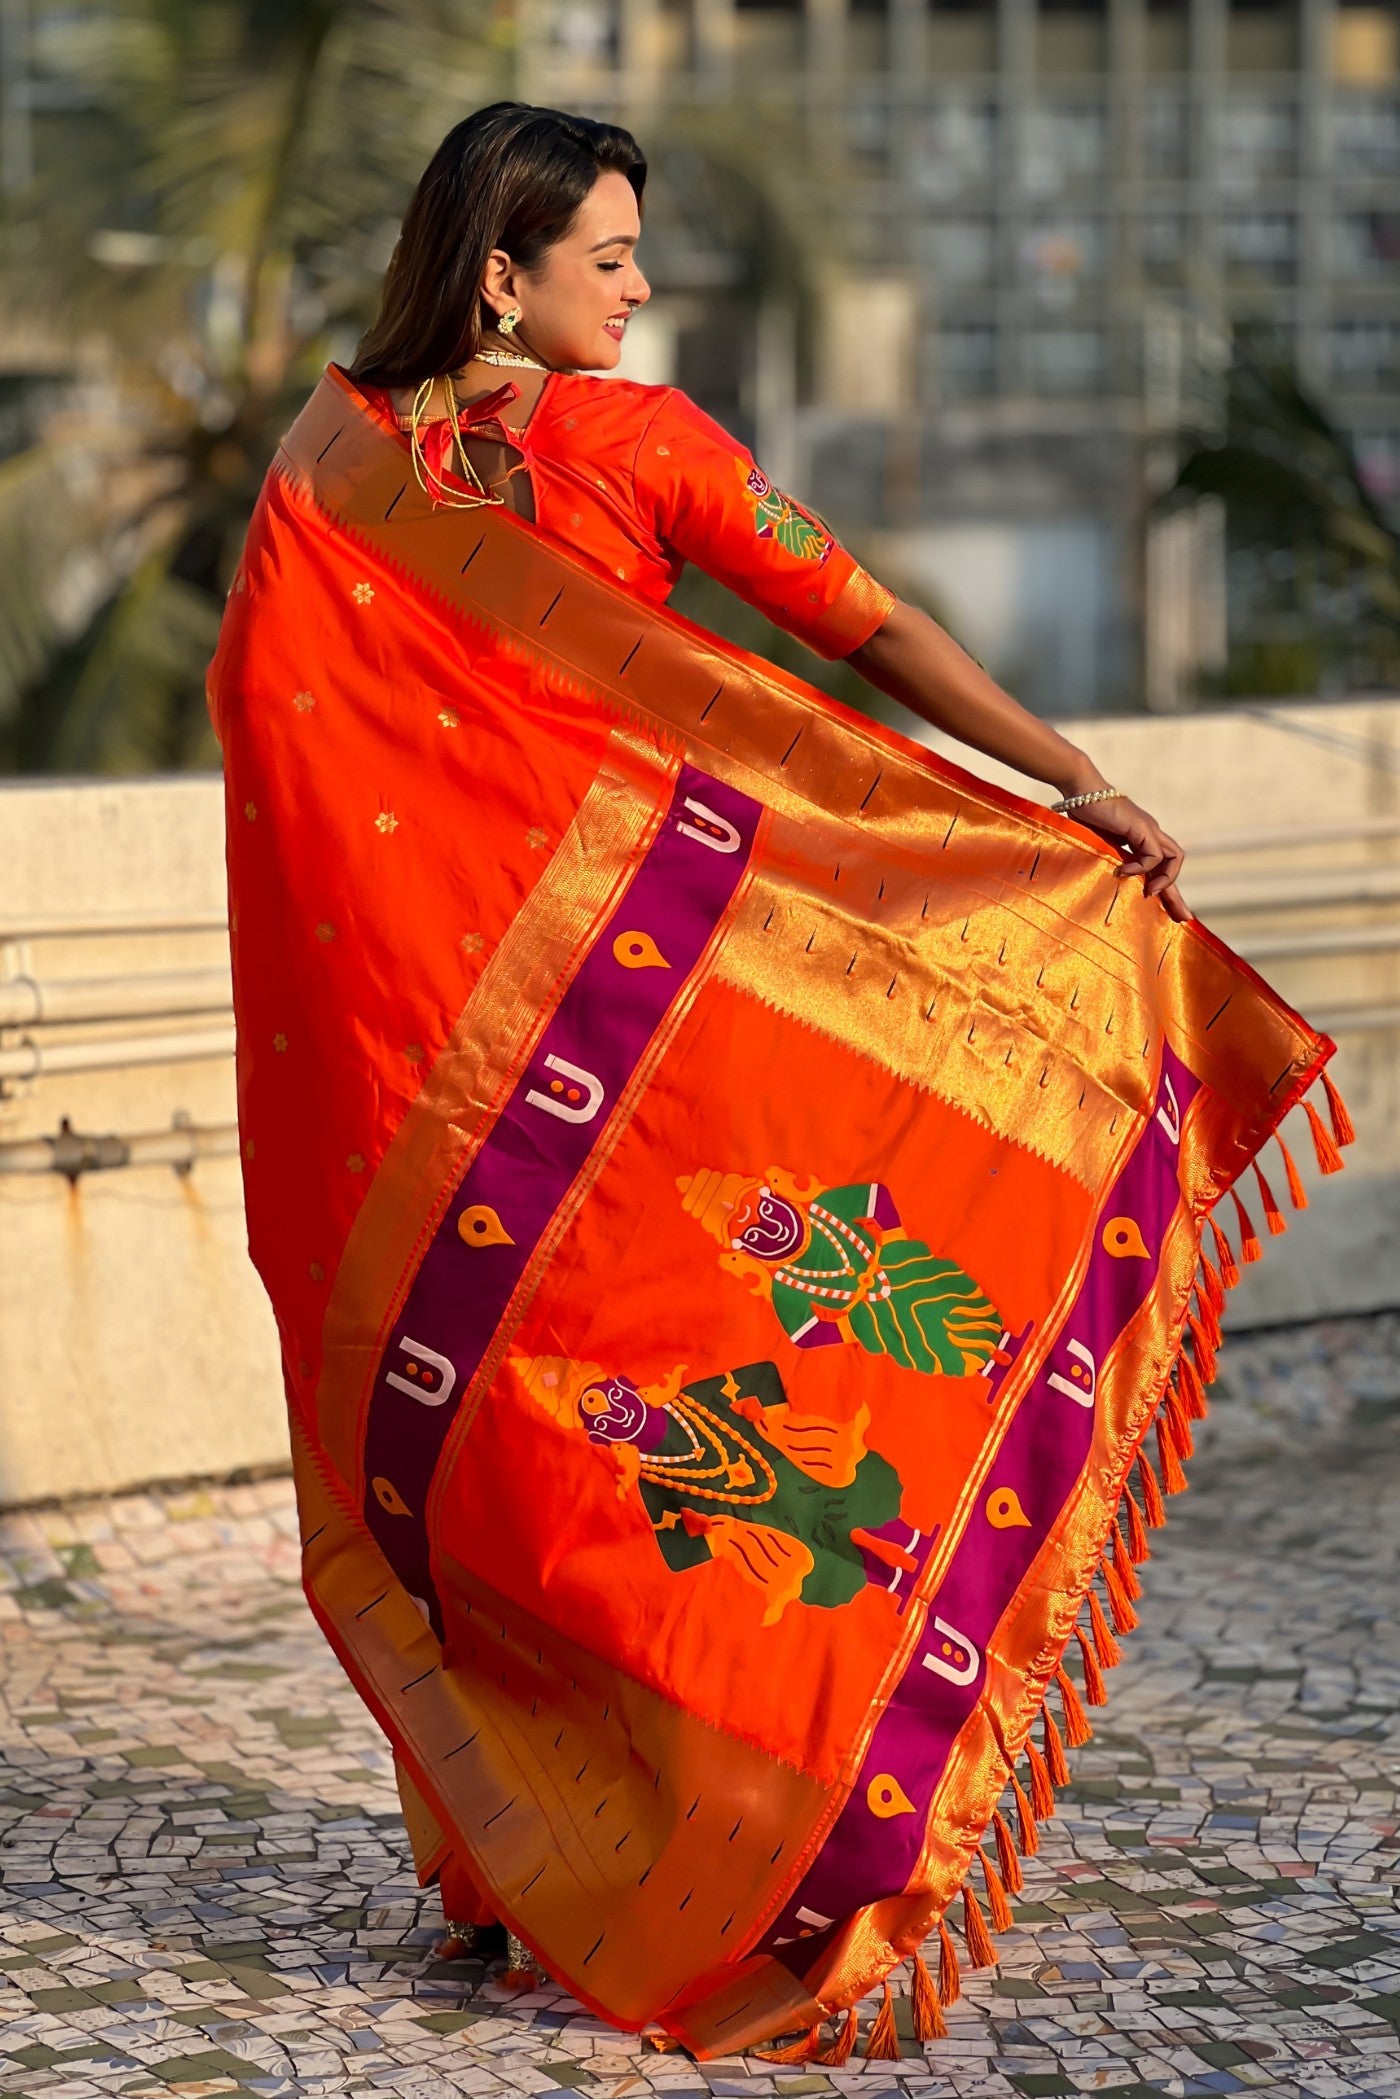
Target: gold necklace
x,y
508,357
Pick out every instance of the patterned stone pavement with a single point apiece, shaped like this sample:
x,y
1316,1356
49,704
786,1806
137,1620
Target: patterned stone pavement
x,y
206,1888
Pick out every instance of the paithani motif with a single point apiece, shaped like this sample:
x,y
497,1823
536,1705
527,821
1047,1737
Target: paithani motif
x,y
733,1192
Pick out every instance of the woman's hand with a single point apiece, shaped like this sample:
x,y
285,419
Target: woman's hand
x,y
1151,852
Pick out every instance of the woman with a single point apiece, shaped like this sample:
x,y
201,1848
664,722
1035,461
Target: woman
x,y
731,1186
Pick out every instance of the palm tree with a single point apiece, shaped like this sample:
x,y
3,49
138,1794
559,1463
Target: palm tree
x,y
1316,559
217,191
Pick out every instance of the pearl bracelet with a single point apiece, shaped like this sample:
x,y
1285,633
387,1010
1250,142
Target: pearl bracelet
x,y
1078,801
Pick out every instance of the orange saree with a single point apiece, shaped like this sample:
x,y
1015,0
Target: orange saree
x,y
732,1188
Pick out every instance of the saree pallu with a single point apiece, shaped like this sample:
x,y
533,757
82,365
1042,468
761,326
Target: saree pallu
x,y
732,1188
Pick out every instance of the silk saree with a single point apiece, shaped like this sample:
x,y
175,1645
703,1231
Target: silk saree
x,y
734,1190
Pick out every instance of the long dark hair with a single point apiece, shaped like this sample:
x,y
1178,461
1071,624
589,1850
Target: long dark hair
x,y
509,177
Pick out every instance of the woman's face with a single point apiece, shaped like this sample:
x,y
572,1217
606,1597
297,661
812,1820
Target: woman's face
x,y
574,306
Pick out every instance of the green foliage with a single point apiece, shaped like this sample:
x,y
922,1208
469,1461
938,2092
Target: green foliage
x,y
1315,560
215,198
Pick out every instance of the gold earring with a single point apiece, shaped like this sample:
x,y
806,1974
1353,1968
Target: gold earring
x,y
509,321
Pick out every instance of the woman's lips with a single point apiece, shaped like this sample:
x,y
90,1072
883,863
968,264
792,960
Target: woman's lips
x,y
616,325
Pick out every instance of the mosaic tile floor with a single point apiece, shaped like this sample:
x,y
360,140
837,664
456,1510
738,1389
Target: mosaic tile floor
x,y
206,1889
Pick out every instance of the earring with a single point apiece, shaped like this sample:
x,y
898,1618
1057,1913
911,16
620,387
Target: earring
x,y
509,321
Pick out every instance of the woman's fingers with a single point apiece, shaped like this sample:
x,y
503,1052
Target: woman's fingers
x,y
1152,852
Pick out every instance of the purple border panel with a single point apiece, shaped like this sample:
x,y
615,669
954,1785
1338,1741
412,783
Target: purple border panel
x,y
874,1845
541,1140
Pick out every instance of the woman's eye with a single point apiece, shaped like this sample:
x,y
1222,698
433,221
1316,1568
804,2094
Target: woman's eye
x,y
610,266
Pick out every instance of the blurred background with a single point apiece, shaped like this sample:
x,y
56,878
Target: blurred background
x,y
1078,319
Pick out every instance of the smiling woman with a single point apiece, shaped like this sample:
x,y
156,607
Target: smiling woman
x,y
731,1185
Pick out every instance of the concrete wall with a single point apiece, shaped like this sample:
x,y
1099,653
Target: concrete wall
x,y
135,1341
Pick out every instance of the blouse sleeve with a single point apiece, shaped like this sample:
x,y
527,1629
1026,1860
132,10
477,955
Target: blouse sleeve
x,y
713,506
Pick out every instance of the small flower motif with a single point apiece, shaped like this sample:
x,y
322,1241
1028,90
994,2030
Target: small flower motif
x,y
250,811
537,838
449,718
386,822
363,593
303,702
414,1053
355,1161
325,931
315,1272
279,1042
249,1148
473,942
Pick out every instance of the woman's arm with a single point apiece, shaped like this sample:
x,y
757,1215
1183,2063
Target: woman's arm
x,y
917,663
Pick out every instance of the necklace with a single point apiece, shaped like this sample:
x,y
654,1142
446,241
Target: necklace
x,y
508,357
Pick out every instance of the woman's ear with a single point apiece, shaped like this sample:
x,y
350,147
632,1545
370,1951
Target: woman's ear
x,y
498,282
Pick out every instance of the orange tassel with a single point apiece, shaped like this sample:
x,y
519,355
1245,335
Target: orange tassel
x,y
1042,1790
981,1954
1173,1479
840,2050
882,2042
1178,1427
1077,1729
1120,1604
1201,1344
1225,1255
929,2023
1297,1194
1055,1763
1027,1835
1250,1249
1151,1494
1006,1852
1193,1393
798,2052
1209,1316
1108,1650
1137,1531
1002,1920
949,1975
1329,1159
1343,1129
1095,1690
1123,1562
1214,1287
1273,1216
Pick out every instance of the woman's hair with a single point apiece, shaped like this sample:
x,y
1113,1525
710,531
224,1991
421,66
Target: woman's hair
x,y
508,177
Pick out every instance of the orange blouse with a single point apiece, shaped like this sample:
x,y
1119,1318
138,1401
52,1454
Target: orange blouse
x,y
639,481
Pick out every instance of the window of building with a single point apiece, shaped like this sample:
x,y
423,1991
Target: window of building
x,y
1162,246
1365,243
1261,247
1366,135
1258,140
959,253
1060,255
1364,353
1065,360
1066,145
1165,134
955,148
967,360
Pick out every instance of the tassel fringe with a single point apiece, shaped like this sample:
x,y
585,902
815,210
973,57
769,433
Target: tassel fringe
x,y
1123,1562
1095,1690
1178,1425
1151,1493
1173,1479
929,2023
1027,1834
1329,1159
1250,1249
840,2050
1120,1604
1077,1728
1055,1763
882,2042
1297,1194
1107,1649
1273,1216
1214,1284
1002,1919
1042,1791
981,1954
1225,1255
949,1974
1006,1854
1193,1392
1201,1344
1137,1530
1343,1129
803,2051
